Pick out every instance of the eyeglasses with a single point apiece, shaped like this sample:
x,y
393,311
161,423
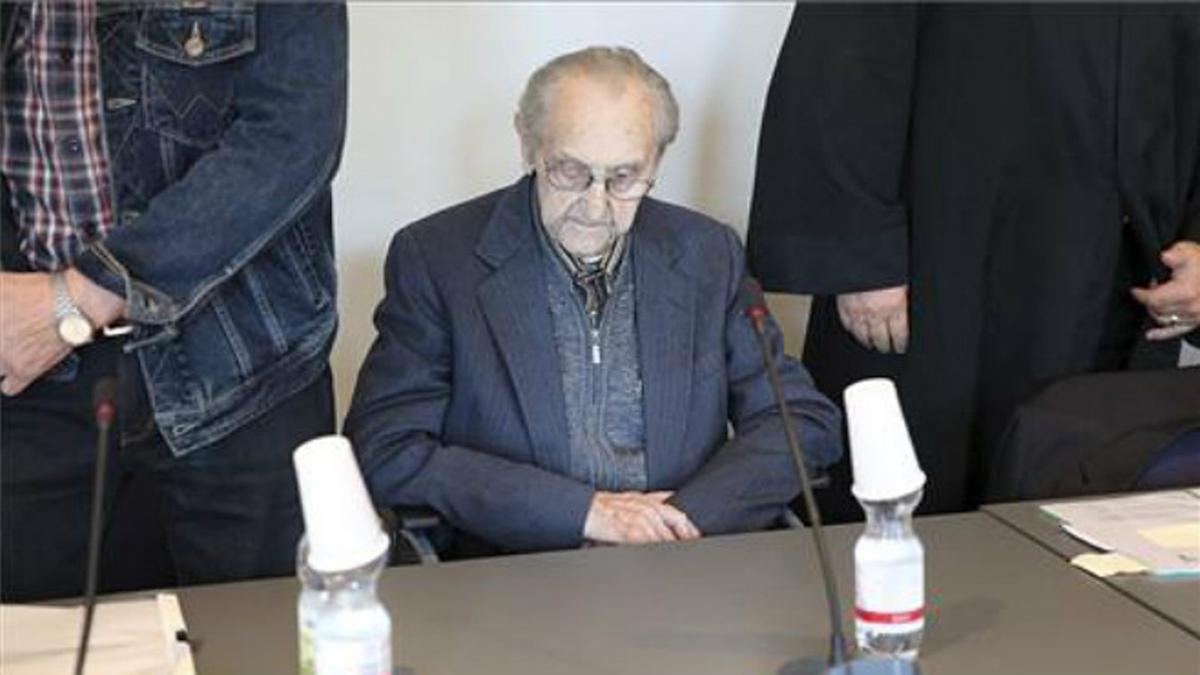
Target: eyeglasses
x,y
622,184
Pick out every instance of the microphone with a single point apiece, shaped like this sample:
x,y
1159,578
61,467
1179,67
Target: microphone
x,y
754,306
104,406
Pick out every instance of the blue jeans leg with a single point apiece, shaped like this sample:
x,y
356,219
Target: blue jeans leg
x,y
232,510
47,461
225,512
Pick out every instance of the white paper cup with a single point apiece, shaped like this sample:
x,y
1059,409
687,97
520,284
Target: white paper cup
x,y
881,450
340,522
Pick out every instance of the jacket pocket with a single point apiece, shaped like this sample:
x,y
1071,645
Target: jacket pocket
x,y
198,32
191,51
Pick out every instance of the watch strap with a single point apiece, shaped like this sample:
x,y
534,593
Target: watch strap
x,y
73,326
64,304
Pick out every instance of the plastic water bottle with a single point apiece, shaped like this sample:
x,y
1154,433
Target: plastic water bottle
x,y
343,629
342,625
889,561
889,580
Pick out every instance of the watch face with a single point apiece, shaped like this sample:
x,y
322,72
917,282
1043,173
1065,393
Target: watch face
x,y
75,330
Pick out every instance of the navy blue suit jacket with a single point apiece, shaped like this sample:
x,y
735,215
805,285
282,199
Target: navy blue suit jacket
x,y
459,403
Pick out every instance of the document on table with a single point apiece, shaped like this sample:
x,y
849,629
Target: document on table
x,y
1160,530
128,637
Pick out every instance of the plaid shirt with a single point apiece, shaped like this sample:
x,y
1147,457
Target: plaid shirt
x,y
54,156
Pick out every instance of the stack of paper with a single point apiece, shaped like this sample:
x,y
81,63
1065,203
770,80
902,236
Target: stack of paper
x,y
1157,532
128,637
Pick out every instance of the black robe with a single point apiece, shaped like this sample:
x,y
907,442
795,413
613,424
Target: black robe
x,y
1019,167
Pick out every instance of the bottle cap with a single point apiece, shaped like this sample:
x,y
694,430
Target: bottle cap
x,y
881,451
341,524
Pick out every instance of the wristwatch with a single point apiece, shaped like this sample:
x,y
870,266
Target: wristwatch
x,y
73,327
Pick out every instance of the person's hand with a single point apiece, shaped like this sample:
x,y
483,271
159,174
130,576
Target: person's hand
x,y
1175,305
636,518
29,340
877,319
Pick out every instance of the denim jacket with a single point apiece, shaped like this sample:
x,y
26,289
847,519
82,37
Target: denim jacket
x,y
224,123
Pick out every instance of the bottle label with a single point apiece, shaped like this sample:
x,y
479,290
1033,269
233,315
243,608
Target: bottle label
x,y
889,584
889,617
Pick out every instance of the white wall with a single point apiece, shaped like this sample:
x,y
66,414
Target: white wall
x,y
433,88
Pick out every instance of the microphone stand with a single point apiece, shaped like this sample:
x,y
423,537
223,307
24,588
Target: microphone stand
x,y
106,411
839,664
758,314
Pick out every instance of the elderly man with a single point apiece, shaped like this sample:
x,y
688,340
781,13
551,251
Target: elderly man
x,y
557,361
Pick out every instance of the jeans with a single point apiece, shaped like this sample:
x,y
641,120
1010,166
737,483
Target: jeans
x,y
230,511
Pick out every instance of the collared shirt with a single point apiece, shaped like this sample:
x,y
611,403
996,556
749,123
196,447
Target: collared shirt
x,y
54,157
594,280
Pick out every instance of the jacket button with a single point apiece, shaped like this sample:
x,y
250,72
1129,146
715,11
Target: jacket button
x,y
1126,219
195,46
71,146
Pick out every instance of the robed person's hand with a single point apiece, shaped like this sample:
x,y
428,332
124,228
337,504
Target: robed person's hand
x,y
878,319
1175,305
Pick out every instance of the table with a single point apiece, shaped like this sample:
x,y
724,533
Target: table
x,y
735,604
1176,599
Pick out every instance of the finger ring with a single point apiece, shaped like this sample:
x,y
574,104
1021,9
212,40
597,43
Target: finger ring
x,y
1171,319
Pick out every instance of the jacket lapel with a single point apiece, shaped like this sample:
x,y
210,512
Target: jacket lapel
x,y
515,304
664,312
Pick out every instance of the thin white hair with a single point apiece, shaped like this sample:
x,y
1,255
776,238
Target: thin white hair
x,y
533,107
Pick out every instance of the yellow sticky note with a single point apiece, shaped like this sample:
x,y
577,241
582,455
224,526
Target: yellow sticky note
x,y
1108,564
1180,536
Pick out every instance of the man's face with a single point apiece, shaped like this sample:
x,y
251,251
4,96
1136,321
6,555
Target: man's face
x,y
606,129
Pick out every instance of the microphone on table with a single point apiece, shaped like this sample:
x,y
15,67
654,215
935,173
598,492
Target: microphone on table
x,y
104,407
754,306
